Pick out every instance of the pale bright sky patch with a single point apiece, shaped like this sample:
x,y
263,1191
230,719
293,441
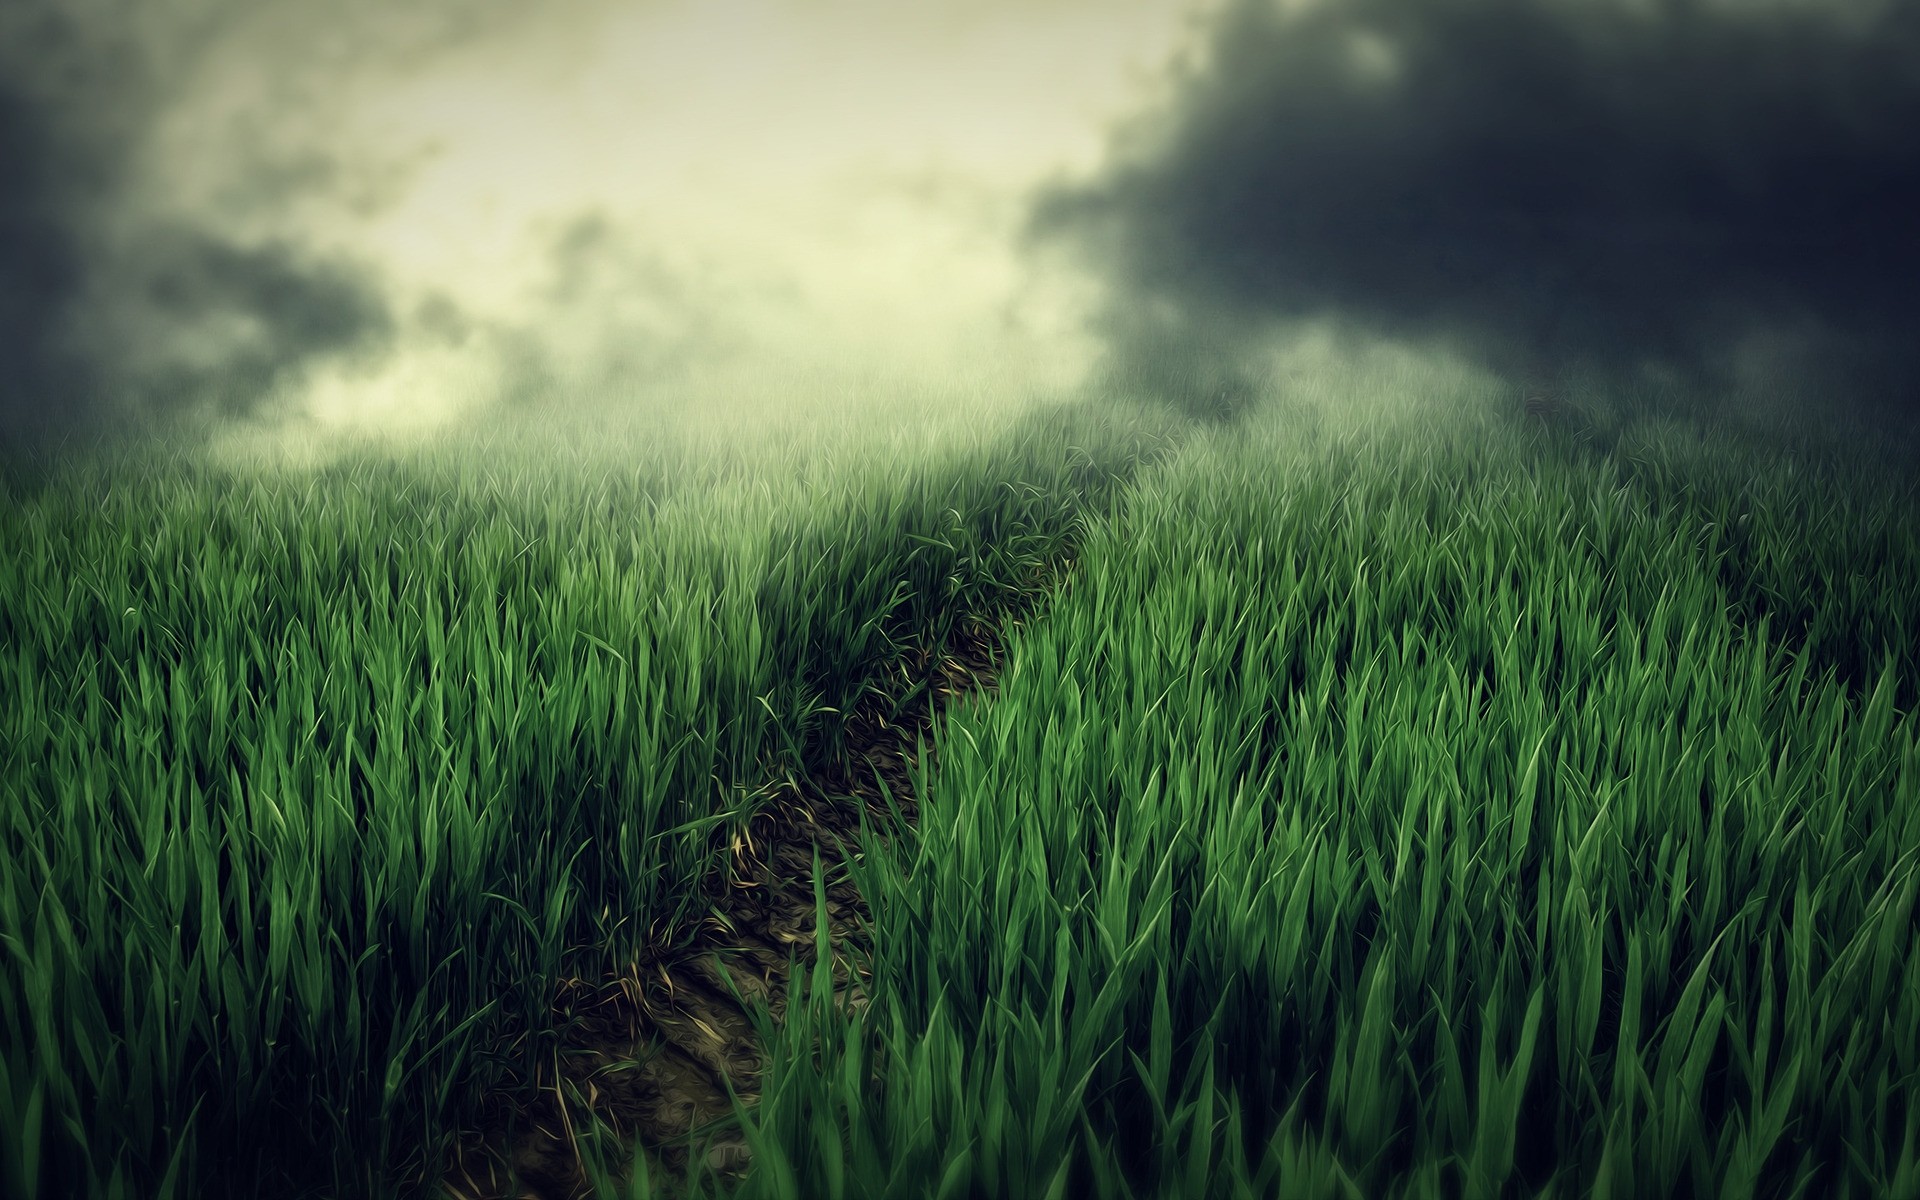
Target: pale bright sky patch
x,y
695,202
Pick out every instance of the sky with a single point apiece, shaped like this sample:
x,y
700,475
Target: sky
x,y
362,215
1716,197
286,216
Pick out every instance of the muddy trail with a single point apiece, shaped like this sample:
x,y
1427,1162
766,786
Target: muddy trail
x,y
649,1057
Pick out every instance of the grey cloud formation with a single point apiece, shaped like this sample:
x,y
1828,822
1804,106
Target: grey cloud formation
x,y
1619,185
116,313
209,324
40,269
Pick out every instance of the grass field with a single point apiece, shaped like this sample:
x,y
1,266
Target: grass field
x,y
1392,801
1411,814
317,781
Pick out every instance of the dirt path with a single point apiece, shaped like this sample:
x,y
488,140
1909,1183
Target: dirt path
x,y
650,1055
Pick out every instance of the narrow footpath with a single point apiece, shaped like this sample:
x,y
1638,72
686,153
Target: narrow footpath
x,y
651,1056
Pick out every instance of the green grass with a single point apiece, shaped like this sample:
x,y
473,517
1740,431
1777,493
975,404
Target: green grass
x,y
1389,805
1429,809
317,780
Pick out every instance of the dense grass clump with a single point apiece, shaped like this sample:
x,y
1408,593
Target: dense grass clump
x,y
1411,811
315,782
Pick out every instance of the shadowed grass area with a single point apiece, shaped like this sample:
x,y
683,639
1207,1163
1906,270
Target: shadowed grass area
x,y
317,781
1400,810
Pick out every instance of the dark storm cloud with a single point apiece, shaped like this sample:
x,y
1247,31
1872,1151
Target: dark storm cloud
x,y
40,269
114,313
1607,183
228,322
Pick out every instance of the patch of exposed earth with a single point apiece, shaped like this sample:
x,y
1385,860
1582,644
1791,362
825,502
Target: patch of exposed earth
x,y
650,1057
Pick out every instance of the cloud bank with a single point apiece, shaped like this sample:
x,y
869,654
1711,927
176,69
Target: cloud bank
x,y
1719,192
119,306
270,215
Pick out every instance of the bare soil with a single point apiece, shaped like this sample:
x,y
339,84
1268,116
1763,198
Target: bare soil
x,y
651,1055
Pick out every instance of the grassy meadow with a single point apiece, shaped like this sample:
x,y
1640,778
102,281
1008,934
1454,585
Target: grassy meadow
x,y
1416,808
1414,811
1394,800
318,780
